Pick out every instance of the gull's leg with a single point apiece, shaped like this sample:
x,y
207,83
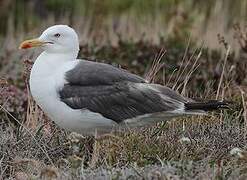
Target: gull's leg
x,y
96,146
95,153
106,136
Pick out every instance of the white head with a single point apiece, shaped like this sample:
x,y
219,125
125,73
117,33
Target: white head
x,y
56,39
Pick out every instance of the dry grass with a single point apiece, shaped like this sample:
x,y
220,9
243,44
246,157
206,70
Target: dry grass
x,y
156,152
131,153
187,148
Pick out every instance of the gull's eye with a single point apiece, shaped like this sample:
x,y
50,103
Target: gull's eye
x,y
57,35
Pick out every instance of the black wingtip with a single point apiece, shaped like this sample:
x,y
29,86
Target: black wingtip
x,y
208,105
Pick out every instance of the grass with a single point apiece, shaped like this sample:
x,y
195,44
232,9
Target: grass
x,y
184,148
32,147
207,153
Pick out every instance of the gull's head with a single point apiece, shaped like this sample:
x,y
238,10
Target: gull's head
x,y
55,39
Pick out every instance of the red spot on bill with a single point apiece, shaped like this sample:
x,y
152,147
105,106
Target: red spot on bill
x,y
26,46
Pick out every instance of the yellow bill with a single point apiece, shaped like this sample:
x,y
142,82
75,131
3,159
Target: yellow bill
x,y
31,43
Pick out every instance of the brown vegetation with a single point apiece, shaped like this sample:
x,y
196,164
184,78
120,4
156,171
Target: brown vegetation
x,y
209,147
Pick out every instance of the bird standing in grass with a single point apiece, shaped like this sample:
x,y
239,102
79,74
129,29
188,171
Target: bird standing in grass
x,y
84,96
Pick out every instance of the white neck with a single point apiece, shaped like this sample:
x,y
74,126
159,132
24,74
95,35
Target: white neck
x,y
47,63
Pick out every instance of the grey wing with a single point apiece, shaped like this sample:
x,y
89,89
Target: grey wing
x,y
93,73
115,93
122,100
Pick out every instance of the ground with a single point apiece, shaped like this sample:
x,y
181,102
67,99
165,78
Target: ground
x,y
190,147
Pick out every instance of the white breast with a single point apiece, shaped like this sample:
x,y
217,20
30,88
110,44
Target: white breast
x,y
47,77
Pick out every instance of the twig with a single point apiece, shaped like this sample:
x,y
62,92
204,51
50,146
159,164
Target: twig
x,y
184,57
223,71
95,154
193,69
156,66
35,140
180,74
170,78
244,106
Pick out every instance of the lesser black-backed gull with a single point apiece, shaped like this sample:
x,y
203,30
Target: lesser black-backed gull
x,y
82,96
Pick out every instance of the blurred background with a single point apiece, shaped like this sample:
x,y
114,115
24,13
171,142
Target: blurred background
x,y
200,47
102,21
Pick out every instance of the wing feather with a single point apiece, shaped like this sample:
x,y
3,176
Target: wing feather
x,y
118,102
115,93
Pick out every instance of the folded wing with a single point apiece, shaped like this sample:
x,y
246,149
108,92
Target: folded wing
x,y
116,94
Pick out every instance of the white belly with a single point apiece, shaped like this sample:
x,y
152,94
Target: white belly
x,y
81,121
45,81
44,89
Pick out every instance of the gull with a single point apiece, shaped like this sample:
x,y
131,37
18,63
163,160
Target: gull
x,y
84,96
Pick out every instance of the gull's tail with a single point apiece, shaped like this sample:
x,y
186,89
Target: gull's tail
x,y
207,106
